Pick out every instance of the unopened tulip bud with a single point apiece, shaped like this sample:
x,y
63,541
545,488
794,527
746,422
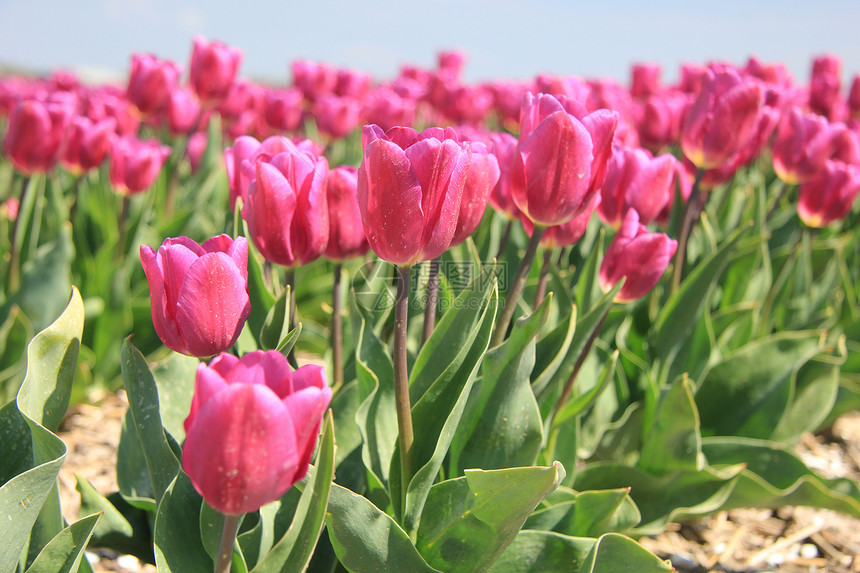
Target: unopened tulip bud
x,y
214,67
135,164
827,197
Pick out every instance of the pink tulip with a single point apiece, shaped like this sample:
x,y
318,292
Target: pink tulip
x,y
314,79
645,80
722,119
351,83
659,123
282,109
480,181
636,180
35,132
825,86
337,116
214,67
150,83
286,205
638,256
199,294
828,196
387,108
88,143
346,237
183,111
135,164
252,428
197,144
568,233
504,146
560,160
409,192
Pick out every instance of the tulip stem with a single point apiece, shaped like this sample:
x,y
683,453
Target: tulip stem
x,y
122,224
540,293
401,380
568,386
517,287
692,210
14,276
290,282
503,242
775,206
432,300
337,327
228,540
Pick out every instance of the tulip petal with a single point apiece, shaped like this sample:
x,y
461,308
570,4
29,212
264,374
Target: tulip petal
x,y
269,213
733,121
241,451
207,383
306,408
213,304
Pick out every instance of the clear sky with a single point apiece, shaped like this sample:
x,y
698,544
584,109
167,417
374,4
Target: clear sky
x,y
503,39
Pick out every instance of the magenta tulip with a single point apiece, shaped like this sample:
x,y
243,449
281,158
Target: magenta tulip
x,y
565,234
722,119
337,116
636,180
35,132
252,428
644,80
314,79
199,293
135,164
213,70
282,109
346,237
87,143
828,196
825,87
638,256
409,192
560,161
286,205
150,83
480,181
504,146
183,111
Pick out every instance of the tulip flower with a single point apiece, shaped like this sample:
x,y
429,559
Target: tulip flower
x,y
150,83
828,196
286,205
314,79
638,256
636,180
252,428
480,181
346,237
825,87
135,164
35,133
722,119
88,143
282,109
199,293
504,145
659,122
854,98
565,234
560,160
337,116
351,83
409,192
183,111
213,69
645,80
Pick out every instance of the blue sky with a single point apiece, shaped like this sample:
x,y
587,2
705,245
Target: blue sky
x,y
503,39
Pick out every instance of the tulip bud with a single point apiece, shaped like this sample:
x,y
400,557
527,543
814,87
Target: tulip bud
x,y
645,80
286,205
825,87
199,294
480,182
88,143
636,180
313,79
828,196
183,111
35,133
150,83
282,109
135,164
638,256
722,119
337,116
252,428
213,69
409,192
346,237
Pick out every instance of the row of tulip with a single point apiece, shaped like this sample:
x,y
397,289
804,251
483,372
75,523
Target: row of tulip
x,y
413,196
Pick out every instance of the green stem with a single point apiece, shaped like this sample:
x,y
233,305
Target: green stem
x,y
503,242
337,327
14,277
783,191
122,227
432,300
290,281
517,287
540,293
401,381
228,540
692,210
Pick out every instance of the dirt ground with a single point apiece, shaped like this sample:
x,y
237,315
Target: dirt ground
x,y
790,539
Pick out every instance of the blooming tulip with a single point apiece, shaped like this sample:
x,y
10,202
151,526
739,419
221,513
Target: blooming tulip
x,y
252,428
35,133
336,116
282,109
638,256
480,181
286,205
213,69
346,237
314,79
150,82
409,192
828,196
825,86
722,119
199,293
636,180
135,163
560,160
87,143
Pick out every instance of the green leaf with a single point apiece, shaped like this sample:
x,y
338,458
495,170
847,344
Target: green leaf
x,y
681,311
293,552
161,461
502,424
673,442
366,539
475,517
614,552
587,284
587,513
122,527
277,321
437,414
814,393
261,298
174,378
285,346
543,552
51,360
747,393
15,332
64,552
132,473
551,351
178,545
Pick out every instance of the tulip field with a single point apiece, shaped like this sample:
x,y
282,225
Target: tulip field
x,y
417,324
